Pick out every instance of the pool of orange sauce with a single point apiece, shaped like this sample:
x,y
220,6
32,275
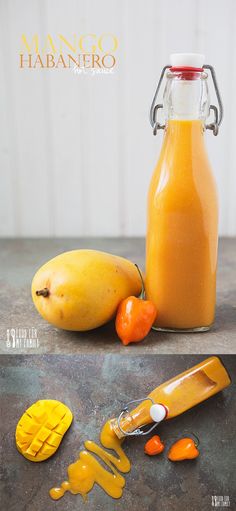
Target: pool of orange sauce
x,y
86,471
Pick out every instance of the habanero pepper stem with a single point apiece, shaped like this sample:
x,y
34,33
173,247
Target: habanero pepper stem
x,y
142,294
196,439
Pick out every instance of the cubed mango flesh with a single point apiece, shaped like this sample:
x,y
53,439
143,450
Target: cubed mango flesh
x,y
41,428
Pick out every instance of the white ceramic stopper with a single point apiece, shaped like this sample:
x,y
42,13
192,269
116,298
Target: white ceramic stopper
x,y
158,412
187,59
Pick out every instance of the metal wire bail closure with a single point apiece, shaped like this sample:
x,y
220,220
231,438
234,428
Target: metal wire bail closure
x,y
154,108
218,114
125,413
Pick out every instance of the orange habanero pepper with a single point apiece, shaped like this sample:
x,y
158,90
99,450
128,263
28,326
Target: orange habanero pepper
x,y
154,446
184,449
135,317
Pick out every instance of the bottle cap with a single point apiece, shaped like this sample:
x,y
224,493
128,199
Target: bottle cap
x,y
195,60
158,412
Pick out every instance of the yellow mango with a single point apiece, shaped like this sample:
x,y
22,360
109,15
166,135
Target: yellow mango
x,y
81,290
41,428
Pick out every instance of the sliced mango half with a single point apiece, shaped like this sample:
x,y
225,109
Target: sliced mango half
x,y
41,428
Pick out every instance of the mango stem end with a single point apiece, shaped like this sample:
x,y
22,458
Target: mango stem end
x,y
43,292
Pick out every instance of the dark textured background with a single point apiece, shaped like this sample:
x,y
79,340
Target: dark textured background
x,y
95,387
19,260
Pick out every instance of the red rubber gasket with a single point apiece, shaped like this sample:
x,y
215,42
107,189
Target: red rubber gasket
x,y
187,72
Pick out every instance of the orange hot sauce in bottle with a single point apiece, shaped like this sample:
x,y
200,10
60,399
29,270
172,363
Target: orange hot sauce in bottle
x,y
182,220
178,394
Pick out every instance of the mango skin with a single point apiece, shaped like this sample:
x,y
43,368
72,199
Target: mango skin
x,y
41,428
85,288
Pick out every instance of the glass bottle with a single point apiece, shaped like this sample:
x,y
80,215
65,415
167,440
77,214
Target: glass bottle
x,y
182,220
176,396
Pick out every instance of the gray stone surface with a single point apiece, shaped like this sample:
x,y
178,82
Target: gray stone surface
x,y
95,387
19,259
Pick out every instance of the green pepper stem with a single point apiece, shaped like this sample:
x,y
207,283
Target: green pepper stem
x,y
189,433
142,294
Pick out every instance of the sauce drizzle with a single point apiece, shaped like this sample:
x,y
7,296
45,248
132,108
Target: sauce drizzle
x,y
86,471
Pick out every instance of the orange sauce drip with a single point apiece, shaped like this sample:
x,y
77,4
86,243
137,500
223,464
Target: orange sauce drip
x,y
87,470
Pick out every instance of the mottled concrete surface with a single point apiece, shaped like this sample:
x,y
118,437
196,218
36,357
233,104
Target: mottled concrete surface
x,y
19,259
95,387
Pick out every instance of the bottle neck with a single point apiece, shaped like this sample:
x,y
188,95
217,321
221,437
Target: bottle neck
x,y
140,416
190,131
186,96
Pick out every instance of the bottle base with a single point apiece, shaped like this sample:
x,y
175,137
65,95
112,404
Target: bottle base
x,y
182,330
